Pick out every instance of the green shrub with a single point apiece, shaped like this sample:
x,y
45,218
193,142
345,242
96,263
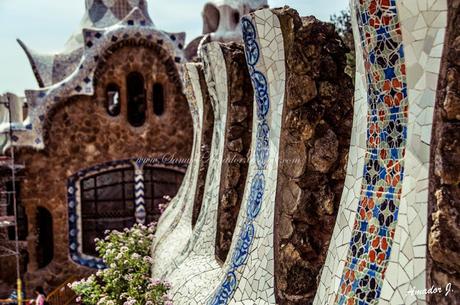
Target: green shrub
x,y
126,280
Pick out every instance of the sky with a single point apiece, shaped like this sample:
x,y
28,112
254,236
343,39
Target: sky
x,y
45,25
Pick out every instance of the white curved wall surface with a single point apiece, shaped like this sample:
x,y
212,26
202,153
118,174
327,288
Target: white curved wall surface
x,y
175,228
423,26
381,256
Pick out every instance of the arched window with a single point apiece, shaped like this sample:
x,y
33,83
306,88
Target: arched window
x,y
136,99
158,99
159,182
45,245
104,197
107,203
113,99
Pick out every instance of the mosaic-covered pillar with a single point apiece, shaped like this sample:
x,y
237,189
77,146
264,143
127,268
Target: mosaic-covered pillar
x,y
139,202
175,228
206,142
423,44
247,275
238,141
378,249
198,258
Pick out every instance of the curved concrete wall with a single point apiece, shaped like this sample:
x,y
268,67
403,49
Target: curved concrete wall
x,y
377,253
196,275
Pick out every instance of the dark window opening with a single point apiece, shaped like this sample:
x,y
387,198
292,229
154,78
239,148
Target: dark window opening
x,y
107,203
45,245
21,212
136,99
113,99
158,99
236,17
159,182
107,200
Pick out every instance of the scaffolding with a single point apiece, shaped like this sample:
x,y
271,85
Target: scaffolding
x,y
10,221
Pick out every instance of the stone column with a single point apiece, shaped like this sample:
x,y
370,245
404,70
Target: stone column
x,y
444,201
314,145
139,201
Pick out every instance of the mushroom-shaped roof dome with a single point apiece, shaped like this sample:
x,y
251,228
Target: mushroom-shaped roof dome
x,y
53,68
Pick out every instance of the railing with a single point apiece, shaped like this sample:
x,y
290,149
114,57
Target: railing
x,y
13,301
62,295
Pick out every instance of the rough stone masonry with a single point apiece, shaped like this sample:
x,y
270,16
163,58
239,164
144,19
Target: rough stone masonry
x,y
315,140
444,201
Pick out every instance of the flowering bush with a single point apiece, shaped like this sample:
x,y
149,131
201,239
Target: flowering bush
x,y
162,206
126,280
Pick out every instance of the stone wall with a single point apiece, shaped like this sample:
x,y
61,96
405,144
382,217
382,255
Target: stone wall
x,y
315,139
81,134
444,223
238,141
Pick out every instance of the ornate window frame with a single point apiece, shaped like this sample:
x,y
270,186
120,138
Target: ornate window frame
x,y
74,203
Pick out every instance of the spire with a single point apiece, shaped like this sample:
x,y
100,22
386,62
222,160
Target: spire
x,y
42,65
103,13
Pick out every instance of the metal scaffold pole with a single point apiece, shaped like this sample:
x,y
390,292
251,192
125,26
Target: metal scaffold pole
x,y
15,209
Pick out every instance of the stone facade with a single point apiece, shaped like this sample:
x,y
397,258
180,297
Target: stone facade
x,y
113,95
81,134
444,223
314,145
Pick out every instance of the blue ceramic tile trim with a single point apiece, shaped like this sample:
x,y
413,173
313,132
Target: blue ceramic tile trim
x,y
241,252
